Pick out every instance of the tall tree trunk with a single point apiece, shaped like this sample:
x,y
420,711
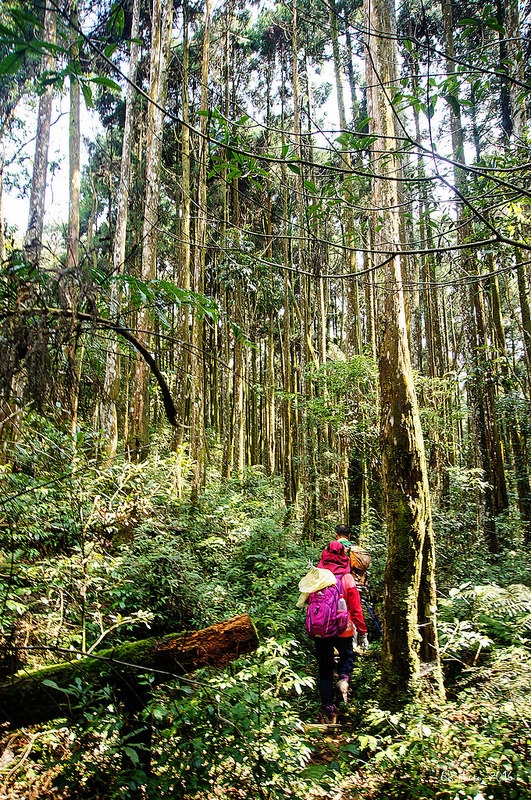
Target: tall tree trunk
x,y
511,65
409,591
33,238
238,412
111,383
182,377
512,421
138,434
480,386
197,400
270,405
74,350
289,470
306,439
525,314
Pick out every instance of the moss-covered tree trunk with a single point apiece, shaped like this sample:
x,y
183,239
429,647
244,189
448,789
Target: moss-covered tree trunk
x,y
409,591
39,695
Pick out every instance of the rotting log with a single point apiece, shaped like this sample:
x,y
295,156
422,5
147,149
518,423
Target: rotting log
x,y
29,698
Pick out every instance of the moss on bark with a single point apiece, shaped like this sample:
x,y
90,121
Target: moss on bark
x,y
29,698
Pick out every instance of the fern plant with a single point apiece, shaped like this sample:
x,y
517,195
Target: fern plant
x,y
500,614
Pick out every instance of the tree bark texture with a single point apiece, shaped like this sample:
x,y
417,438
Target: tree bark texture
x,y
111,384
30,699
137,445
33,238
409,596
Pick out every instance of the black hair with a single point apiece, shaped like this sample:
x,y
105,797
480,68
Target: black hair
x,y
343,530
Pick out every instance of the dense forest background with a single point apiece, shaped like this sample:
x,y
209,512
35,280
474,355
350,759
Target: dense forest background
x,y
291,288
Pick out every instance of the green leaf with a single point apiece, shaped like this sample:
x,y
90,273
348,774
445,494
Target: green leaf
x,y
107,82
42,48
454,104
109,50
293,167
350,748
494,25
116,21
87,95
238,334
7,33
133,755
53,685
19,16
344,139
11,63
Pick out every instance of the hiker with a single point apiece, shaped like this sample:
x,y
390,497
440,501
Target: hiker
x,y
335,558
360,560
343,533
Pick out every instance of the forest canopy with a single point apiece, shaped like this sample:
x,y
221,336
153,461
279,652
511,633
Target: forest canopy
x,y
290,288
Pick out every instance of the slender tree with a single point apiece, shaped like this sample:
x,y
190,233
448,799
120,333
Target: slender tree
x,y
162,16
74,349
33,238
111,384
197,387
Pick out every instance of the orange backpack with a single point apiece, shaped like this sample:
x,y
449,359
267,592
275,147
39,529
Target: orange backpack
x,y
360,561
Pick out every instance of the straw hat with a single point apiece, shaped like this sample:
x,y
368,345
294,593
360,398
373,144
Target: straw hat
x,y
314,580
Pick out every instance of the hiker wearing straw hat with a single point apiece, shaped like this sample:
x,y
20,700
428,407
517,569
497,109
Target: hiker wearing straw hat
x,y
317,587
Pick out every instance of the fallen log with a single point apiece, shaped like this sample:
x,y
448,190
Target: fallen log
x,y
39,695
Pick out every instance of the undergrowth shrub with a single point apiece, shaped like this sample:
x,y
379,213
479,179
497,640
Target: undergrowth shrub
x,y
475,748
239,727
94,560
212,733
474,619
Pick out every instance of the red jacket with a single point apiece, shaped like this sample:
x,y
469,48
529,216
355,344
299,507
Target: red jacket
x,y
355,611
335,558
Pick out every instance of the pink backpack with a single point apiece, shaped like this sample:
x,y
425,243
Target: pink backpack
x,y
326,614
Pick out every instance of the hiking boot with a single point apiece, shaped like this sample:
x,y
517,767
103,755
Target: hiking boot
x,y
329,715
342,685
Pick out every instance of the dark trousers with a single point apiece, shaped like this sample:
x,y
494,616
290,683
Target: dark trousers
x,y
324,650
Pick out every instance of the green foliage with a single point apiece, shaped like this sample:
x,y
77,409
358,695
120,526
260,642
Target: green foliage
x,y
19,38
239,727
456,523
344,397
475,748
104,753
492,613
233,727
161,295
131,552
